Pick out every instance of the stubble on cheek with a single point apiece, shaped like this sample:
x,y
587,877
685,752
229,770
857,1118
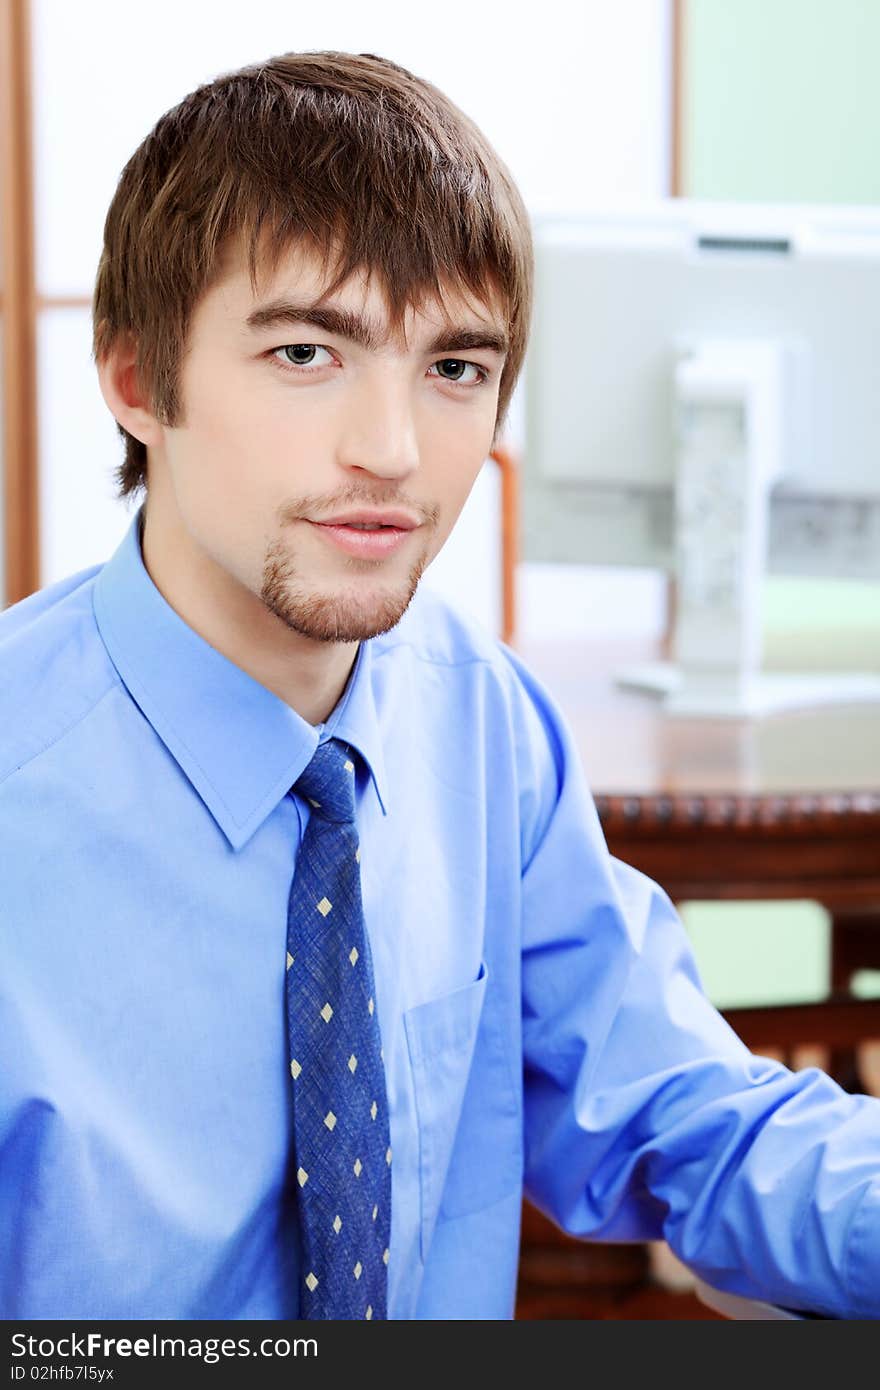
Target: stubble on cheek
x,y
363,607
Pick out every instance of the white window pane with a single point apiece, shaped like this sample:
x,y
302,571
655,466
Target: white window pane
x,y
80,522
575,99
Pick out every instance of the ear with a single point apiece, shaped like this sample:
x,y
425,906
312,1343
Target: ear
x,y
117,377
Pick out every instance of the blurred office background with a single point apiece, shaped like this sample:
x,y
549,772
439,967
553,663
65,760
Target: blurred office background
x,y
778,104
592,106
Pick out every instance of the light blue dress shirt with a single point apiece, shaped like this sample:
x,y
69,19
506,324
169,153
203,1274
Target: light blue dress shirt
x,y
542,1019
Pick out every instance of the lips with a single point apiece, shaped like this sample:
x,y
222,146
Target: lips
x,y
395,517
366,545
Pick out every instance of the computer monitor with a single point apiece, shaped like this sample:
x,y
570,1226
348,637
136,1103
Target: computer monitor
x,y
702,395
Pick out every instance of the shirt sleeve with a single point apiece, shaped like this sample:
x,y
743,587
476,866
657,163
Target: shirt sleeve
x,y
645,1115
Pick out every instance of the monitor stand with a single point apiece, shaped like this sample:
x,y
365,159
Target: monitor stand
x,y
735,403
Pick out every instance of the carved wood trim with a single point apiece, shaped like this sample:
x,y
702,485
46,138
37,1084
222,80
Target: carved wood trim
x,y
761,813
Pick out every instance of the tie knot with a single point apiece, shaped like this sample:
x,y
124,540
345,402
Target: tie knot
x,y
328,783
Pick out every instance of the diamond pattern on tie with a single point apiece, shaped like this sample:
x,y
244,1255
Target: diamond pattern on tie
x,y
341,1136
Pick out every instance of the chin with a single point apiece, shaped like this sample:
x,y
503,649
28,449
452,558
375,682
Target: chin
x,y
347,617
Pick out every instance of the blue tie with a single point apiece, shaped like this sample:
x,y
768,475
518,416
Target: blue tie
x,y
342,1145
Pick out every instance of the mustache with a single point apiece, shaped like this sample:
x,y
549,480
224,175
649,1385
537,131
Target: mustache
x,y
428,515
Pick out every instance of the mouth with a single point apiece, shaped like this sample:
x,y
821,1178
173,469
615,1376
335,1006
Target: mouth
x,y
371,518
372,544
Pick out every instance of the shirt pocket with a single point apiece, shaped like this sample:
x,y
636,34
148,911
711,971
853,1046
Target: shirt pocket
x,y
441,1037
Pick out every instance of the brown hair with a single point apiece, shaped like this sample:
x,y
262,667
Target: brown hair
x,y
373,167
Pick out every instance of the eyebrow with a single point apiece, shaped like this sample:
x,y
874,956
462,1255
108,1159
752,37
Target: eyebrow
x,y
345,323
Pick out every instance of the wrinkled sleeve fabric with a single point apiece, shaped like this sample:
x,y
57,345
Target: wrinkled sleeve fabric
x,y
645,1116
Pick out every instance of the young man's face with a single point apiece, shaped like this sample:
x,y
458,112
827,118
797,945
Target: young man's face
x,y
286,424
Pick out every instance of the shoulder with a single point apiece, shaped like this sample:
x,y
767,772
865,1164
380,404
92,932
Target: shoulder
x,y
54,667
509,702
438,632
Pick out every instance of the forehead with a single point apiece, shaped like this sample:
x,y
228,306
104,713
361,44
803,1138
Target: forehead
x,y
300,275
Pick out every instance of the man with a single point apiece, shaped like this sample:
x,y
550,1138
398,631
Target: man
x,y
314,955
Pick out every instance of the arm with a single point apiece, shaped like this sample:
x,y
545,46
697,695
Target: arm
x,y
645,1116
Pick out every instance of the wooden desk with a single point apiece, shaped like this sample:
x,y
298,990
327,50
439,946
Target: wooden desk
x,y
782,807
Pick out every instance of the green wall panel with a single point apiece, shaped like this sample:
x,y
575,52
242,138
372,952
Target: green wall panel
x,y
781,103
781,100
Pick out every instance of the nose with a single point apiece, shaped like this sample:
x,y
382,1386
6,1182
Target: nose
x,y
378,432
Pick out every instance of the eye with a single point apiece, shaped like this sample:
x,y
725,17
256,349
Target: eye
x,y
299,355
458,368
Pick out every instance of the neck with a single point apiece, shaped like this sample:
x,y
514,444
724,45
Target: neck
x,y
308,675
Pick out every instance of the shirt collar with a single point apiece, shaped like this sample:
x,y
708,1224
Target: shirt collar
x,y
239,744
